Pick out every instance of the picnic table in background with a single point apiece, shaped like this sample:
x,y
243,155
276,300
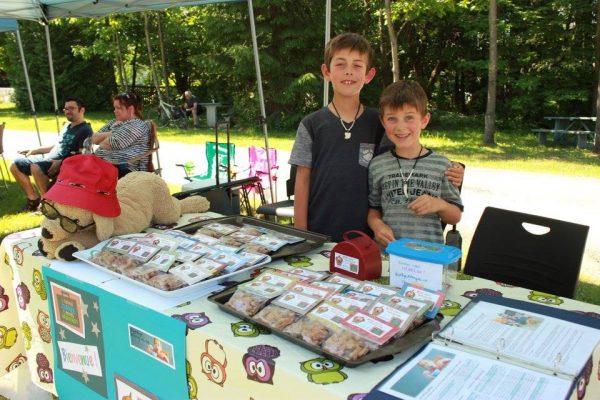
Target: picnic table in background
x,y
582,127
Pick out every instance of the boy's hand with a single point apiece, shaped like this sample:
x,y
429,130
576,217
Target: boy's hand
x,y
24,152
426,204
455,174
383,234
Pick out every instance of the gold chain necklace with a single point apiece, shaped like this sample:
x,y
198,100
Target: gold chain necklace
x,y
347,129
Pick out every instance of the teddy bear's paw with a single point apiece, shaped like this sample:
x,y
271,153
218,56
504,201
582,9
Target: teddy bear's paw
x,y
40,246
66,250
194,204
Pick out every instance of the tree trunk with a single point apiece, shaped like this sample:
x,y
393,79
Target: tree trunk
x,y
152,67
120,67
490,111
163,56
393,40
597,135
134,67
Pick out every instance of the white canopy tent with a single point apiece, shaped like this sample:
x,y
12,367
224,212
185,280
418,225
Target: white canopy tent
x,y
45,10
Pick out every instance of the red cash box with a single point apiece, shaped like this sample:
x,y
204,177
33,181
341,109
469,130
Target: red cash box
x,y
359,257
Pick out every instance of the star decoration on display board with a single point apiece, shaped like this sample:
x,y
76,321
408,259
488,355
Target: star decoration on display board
x,y
85,309
85,377
62,334
96,306
95,329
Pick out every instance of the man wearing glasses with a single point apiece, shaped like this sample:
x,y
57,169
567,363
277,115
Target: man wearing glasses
x,y
70,142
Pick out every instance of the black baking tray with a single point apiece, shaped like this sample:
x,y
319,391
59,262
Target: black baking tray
x,y
413,338
313,240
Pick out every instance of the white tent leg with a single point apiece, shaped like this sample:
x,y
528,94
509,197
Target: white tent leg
x,y
51,64
263,113
37,128
327,37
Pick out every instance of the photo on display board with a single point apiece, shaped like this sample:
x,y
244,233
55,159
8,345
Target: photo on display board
x,y
126,390
68,308
151,345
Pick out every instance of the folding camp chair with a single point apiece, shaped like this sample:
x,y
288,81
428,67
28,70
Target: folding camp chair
x,y
284,208
5,169
527,250
220,160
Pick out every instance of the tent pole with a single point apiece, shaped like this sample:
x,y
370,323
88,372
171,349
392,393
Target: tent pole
x,y
327,37
263,113
37,128
51,64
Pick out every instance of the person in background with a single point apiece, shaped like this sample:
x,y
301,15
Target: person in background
x,y
191,106
124,140
70,142
409,194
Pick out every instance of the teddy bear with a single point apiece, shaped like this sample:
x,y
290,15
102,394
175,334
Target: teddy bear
x,y
87,205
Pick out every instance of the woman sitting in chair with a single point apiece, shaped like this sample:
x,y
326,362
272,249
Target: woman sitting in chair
x,y
126,140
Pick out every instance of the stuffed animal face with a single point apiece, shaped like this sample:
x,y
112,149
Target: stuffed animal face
x,y
52,230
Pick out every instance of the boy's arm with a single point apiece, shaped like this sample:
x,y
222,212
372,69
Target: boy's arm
x,y
383,233
301,191
425,204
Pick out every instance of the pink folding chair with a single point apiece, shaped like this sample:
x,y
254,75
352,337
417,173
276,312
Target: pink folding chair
x,y
257,157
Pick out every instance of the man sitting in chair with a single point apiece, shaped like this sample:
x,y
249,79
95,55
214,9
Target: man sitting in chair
x,y
191,106
41,169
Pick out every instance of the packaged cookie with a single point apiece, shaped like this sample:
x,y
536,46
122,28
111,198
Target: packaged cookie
x,y
334,287
319,324
309,274
417,292
250,230
300,303
232,262
276,317
392,315
163,260
309,330
309,289
250,297
343,279
346,345
277,278
351,303
143,252
205,239
114,262
208,232
223,229
190,273
374,330
120,245
270,242
252,258
142,273
255,248
167,282
375,289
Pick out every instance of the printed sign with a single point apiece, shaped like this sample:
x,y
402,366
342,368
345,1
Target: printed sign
x,y
68,309
151,345
80,358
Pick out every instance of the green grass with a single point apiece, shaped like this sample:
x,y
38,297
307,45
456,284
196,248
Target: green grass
x,y
460,139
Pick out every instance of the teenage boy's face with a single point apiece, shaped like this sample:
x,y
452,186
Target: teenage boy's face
x,y
403,127
348,72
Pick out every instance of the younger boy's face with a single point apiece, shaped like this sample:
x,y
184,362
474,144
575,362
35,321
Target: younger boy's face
x,y
348,72
403,127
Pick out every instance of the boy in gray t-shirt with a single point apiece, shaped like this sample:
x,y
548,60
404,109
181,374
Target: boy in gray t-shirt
x,y
409,194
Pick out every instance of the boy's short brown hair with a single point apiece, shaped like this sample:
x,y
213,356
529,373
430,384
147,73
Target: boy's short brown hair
x,y
352,41
400,93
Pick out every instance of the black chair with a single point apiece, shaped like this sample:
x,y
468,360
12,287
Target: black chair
x,y
504,249
283,208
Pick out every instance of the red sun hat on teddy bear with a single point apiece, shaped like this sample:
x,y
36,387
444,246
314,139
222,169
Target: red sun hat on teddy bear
x,y
88,182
